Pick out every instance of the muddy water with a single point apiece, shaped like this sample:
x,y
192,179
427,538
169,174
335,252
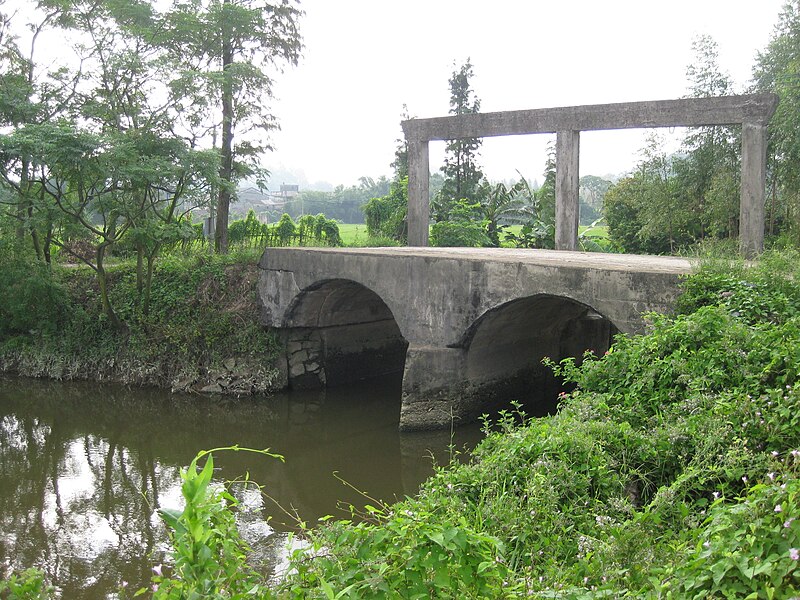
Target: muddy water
x,y
84,469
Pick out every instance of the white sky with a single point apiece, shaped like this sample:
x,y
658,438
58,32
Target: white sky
x,y
340,108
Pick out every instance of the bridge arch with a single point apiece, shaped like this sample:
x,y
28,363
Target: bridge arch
x,y
339,331
505,345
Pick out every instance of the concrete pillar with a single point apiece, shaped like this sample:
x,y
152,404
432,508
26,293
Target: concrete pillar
x,y
567,186
418,199
431,388
754,175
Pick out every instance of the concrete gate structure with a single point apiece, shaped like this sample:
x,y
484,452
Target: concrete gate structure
x,y
752,112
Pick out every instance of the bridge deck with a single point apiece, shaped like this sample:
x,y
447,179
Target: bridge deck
x,y
468,326
633,263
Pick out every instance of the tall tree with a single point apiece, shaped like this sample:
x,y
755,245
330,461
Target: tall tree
x,y
712,153
30,95
777,70
462,175
224,52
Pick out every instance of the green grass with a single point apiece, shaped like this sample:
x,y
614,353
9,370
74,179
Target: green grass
x,y
353,234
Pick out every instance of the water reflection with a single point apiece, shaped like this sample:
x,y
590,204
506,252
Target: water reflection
x,y
84,468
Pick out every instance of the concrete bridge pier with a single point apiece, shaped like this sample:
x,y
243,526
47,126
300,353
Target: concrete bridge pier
x,y
431,392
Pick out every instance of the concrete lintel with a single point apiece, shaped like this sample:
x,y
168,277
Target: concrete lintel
x,y
754,169
684,112
418,197
567,189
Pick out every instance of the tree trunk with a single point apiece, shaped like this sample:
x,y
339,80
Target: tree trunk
x,y
226,168
139,269
21,207
102,282
48,242
148,283
772,208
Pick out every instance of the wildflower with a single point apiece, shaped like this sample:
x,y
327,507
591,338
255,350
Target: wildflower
x,y
157,570
716,495
771,476
795,453
788,522
154,587
778,508
744,478
794,553
123,584
774,453
706,544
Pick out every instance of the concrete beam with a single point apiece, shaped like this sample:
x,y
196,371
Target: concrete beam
x,y
684,112
567,188
418,196
754,170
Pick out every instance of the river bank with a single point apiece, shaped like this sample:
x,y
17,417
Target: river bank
x,y
201,334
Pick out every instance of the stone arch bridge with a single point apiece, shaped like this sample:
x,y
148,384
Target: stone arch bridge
x,y
468,328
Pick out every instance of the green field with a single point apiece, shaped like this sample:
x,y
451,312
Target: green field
x,y
355,234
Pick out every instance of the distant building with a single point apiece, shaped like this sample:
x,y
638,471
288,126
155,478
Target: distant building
x,y
289,191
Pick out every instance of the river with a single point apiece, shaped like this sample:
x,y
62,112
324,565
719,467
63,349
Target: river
x,y
84,469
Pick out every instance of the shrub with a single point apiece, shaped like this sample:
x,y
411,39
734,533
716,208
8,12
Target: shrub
x,y
31,298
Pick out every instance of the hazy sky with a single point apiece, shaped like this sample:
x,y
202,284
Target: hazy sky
x,y
340,108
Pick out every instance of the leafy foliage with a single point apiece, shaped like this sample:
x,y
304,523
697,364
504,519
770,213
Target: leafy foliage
x,y
534,210
776,70
386,215
31,298
27,585
462,175
401,552
463,227
209,557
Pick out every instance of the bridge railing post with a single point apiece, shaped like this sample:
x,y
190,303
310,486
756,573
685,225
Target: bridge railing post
x,y
754,171
567,188
418,198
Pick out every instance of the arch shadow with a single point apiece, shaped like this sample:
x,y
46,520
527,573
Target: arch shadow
x,y
340,331
505,347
